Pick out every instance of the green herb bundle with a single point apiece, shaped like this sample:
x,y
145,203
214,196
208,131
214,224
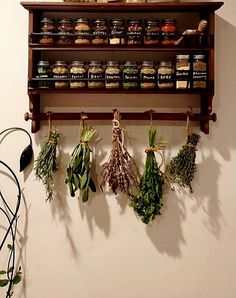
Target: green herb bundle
x,y
46,163
78,171
120,171
148,203
182,166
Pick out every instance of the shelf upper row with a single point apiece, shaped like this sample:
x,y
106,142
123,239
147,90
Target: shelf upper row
x,y
125,7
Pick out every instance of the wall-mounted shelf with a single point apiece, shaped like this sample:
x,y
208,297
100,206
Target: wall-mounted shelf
x,y
38,10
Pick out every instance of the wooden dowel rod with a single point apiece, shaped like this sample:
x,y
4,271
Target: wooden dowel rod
x,y
124,116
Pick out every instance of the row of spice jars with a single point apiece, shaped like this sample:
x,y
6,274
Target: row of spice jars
x,y
129,76
116,32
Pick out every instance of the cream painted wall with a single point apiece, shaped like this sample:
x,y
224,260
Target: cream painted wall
x,y
102,250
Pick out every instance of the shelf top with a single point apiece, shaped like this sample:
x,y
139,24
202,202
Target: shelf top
x,y
123,7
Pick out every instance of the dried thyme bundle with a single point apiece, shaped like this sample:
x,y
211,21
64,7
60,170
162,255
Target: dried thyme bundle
x,y
46,163
78,171
182,166
148,203
119,171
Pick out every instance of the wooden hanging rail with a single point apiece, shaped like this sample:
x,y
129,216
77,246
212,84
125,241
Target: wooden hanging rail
x,y
124,116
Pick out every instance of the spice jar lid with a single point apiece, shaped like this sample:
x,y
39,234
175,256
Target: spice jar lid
x,y
182,57
47,20
95,63
43,63
112,63
135,21
200,57
77,63
82,20
60,63
147,63
168,21
130,63
117,21
65,20
100,21
152,21
165,63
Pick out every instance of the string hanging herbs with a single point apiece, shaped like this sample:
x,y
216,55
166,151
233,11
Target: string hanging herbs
x,y
120,171
78,171
183,166
46,162
148,203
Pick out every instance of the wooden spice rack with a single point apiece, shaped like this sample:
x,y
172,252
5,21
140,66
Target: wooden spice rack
x,y
38,10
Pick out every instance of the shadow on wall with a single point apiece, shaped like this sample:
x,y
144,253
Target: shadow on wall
x,y
166,233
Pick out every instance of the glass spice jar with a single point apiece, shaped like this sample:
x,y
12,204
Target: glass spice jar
x,y
112,75
165,75
134,32
100,30
95,75
200,75
168,32
48,28
148,75
65,30
117,31
60,71
82,31
152,32
182,72
130,75
78,71
43,72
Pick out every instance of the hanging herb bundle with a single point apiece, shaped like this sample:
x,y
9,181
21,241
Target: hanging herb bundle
x,y
148,203
46,163
182,166
78,171
120,171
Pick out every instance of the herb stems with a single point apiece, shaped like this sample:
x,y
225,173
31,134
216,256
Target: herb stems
x,y
148,203
46,163
120,171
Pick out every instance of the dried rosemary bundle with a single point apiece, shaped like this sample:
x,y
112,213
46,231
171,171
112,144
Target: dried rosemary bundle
x,y
182,166
78,171
119,171
148,203
46,163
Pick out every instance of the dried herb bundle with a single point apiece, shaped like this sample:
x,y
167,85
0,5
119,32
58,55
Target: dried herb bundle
x,y
78,171
182,166
148,203
120,170
46,163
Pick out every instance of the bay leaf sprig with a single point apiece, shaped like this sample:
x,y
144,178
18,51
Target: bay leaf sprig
x,y
78,170
46,163
148,203
183,166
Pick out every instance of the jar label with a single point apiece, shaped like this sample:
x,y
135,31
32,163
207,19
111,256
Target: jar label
x,y
182,75
130,77
166,78
200,75
112,77
96,76
153,34
100,33
148,77
134,35
84,33
117,32
168,35
60,76
78,76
